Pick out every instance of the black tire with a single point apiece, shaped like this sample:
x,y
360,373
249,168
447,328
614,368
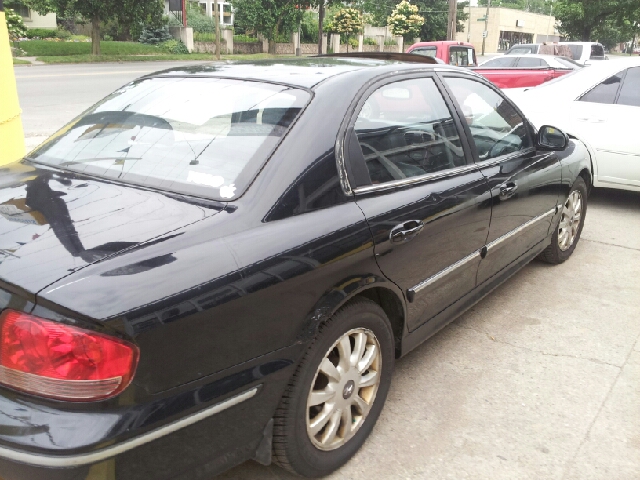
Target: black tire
x,y
293,448
553,253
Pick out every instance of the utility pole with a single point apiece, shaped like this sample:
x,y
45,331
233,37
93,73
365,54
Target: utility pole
x,y
216,13
452,21
486,25
320,25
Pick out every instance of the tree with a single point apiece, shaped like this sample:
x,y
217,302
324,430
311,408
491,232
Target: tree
x,y
533,6
15,25
126,11
346,21
270,18
405,21
582,19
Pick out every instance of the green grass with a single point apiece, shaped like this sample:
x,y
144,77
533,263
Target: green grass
x,y
150,58
17,61
42,48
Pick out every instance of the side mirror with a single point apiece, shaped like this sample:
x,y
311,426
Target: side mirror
x,y
550,138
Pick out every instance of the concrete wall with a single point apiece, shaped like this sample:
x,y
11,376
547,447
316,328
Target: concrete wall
x,y
247,48
184,34
505,20
210,47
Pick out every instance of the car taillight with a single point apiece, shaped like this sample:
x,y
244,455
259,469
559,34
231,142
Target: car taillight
x,y
50,359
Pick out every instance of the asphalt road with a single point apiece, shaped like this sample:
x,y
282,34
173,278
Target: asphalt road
x,y
540,380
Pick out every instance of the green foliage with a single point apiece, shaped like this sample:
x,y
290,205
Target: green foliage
x,y
199,21
129,16
369,41
270,18
244,39
309,28
533,6
41,48
15,25
390,41
174,46
155,36
586,20
347,21
405,21
204,37
42,33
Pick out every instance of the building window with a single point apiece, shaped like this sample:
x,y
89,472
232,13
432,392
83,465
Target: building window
x,y
22,10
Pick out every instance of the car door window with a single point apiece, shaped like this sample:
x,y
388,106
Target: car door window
x,y
496,127
597,52
406,130
630,91
604,92
528,62
502,62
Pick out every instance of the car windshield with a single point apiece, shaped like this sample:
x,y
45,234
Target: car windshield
x,y
425,51
198,136
565,62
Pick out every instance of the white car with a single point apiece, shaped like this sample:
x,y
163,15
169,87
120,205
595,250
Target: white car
x,y
601,106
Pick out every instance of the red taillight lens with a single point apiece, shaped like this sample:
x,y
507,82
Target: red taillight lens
x,y
50,359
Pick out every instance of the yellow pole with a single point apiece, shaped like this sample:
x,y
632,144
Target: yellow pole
x,y
11,133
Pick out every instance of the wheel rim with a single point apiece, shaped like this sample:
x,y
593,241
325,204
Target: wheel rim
x,y
570,220
344,389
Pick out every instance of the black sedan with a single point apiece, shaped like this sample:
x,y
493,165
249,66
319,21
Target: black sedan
x,y
221,263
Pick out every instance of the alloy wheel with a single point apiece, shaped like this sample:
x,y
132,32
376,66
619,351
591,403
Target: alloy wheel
x,y
344,389
570,220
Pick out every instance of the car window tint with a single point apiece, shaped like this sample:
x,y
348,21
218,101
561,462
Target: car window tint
x,y
496,127
425,51
461,56
597,51
502,62
630,91
576,51
406,130
528,62
604,92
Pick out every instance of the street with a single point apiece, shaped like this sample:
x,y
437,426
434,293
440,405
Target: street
x,y
540,380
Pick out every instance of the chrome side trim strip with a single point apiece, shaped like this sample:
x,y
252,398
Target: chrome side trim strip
x,y
442,273
504,158
515,231
413,180
87,458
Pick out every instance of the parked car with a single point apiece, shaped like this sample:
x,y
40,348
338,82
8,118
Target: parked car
x,y
461,54
218,263
601,105
518,71
581,52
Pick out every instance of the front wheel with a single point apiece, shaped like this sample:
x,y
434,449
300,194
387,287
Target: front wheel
x,y
337,392
567,233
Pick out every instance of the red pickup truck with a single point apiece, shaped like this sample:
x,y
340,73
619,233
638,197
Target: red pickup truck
x,y
453,53
519,71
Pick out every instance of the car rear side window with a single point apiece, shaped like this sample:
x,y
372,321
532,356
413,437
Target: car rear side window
x,y
406,130
200,136
604,92
630,91
576,51
425,51
528,62
496,127
501,62
461,56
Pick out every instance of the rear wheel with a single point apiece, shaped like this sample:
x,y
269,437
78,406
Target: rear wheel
x,y
567,233
337,392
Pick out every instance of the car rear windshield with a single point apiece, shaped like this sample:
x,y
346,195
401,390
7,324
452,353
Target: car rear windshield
x,y
597,52
199,136
462,56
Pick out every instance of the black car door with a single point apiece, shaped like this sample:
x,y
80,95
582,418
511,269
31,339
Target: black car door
x,y
525,183
427,204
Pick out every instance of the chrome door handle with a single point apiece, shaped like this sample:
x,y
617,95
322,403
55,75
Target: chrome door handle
x,y
405,231
508,190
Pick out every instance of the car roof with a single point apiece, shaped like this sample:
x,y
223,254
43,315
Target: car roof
x,y
441,42
306,72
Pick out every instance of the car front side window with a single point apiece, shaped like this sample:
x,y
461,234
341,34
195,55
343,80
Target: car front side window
x,y
604,92
406,130
630,91
496,127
